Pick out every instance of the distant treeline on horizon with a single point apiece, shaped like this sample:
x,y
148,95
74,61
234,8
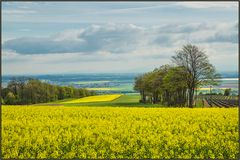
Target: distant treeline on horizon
x,y
32,91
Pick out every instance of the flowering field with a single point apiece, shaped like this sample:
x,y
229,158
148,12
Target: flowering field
x,y
112,132
99,98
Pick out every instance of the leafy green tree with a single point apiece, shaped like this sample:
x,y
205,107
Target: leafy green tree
x,y
140,86
2,101
196,63
10,98
159,84
175,83
4,92
61,93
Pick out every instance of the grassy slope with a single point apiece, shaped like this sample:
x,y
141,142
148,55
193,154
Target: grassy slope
x,y
128,100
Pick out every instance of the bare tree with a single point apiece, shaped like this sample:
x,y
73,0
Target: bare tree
x,y
200,71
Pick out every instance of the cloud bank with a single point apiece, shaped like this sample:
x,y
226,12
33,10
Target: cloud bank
x,y
123,38
121,46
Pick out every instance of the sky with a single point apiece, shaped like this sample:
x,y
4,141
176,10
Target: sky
x,y
114,37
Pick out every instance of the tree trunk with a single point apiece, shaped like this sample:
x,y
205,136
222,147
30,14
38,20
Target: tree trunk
x,y
155,97
190,98
141,94
144,97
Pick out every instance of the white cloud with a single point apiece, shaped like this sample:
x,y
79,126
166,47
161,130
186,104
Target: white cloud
x,y
70,63
124,38
18,11
9,53
208,4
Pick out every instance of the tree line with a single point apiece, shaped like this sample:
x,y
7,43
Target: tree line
x,y
175,84
31,91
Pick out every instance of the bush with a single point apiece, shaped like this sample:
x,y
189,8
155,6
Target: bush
x,y
227,92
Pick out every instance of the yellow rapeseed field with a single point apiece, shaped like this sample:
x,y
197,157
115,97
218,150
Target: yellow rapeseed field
x,y
112,132
99,98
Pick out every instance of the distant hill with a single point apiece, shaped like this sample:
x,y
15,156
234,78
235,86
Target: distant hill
x,y
229,74
122,81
